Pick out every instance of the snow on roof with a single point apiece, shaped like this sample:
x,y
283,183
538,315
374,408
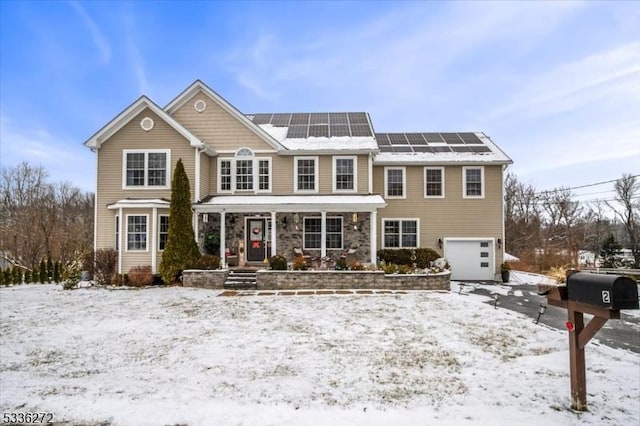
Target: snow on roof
x,y
296,202
315,143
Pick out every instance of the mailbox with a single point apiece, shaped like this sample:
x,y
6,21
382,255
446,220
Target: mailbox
x,y
606,291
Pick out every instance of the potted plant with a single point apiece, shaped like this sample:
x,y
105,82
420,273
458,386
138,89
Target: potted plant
x,y
505,271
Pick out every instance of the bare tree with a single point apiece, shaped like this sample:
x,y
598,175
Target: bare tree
x,y
563,218
40,219
628,196
522,217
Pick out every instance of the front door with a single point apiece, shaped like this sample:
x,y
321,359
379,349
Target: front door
x,y
256,240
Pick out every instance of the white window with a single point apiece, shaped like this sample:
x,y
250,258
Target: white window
x,y
400,233
137,232
163,232
395,182
146,169
241,173
305,174
434,182
473,182
313,233
345,174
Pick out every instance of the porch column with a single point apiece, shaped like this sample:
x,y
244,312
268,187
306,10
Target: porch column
x,y
373,237
273,233
223,239
122,238
154,243
323,234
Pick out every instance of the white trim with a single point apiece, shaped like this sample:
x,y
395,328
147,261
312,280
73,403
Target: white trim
x,y
464,182
256,178
196,184
122,119
135,204
200,105
442,186
255,167
146,153
147,124
223,238
401,219
219,176
160,216
370,173
316,163
117,233
95,207
292,203
373,236
126,239
154,240
323,233
404,182
120,245
334,160
199,86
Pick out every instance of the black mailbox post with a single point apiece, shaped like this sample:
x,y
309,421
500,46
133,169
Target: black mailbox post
x,y
602,296
607,291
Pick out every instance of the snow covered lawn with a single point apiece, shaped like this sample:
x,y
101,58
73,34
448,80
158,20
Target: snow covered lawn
x,y
185,356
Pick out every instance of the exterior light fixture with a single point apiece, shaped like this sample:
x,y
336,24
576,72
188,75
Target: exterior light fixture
x,y
354,220
440,243
499,243
296,220
284,222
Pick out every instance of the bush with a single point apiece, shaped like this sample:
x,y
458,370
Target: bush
x,y
389,268
422,257
105,266
356,265
341,264
278,262
88,264
299,264
208,261
140,276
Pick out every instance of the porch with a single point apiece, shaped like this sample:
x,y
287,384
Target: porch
x,y
246,230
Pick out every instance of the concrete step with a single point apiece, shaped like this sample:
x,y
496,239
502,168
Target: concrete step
x,y
241,280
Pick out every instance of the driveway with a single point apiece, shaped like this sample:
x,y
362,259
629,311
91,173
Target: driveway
x,y
623,333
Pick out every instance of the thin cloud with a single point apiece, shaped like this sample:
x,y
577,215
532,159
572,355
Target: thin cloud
x,y
133,53
96,34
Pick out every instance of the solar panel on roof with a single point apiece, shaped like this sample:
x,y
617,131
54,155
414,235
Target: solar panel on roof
x,y
297,132
382,139
422,148
470,138
441,149
415,139
483,148
299,118
319,130
262,118
402,148
339,130
433,137
398,139
461,149
319,118
358,118
386,148
452,138
338,118
281,120
360,130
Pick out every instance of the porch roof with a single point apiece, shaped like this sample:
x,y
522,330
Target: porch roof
x,y
290,203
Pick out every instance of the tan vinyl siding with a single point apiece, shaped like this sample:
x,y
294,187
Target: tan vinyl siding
x,y
205,164
216,127
451,216
110,168
363,174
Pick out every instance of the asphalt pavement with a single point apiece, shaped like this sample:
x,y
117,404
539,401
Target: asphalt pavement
x,y
623,333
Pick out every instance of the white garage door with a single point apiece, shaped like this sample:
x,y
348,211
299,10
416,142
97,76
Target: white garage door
x,y
470,259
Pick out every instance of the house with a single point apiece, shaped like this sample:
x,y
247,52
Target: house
x,y
319,182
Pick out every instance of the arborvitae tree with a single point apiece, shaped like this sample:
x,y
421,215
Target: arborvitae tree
x,y
27,276
43,272
56,272
17,275
2,277
181,250
49,269
8,278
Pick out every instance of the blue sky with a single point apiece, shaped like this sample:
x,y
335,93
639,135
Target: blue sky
x,y
555,84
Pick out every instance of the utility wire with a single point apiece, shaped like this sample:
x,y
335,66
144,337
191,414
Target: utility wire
x,y
581,186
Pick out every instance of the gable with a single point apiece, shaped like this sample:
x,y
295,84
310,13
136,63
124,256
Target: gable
x,y
130,113
218,123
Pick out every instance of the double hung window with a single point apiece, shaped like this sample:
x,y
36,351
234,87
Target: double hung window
x,y
146,169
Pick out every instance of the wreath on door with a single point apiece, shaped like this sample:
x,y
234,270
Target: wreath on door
x,y
256,230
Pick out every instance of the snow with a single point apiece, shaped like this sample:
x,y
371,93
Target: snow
x,y
315,143
186,356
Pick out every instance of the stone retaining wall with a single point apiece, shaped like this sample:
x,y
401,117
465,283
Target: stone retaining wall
x,y
204,278
285,280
